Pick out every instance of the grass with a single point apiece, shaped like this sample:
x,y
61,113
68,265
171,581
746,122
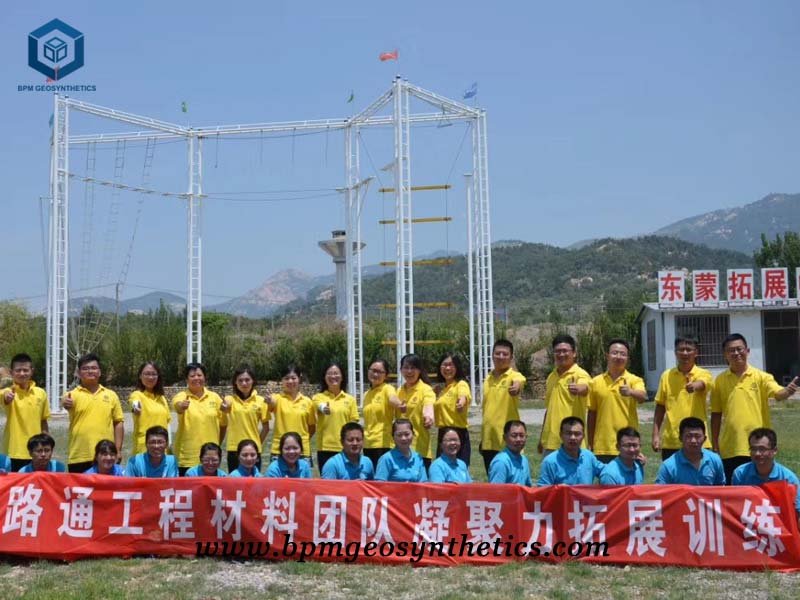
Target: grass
x,y
178,578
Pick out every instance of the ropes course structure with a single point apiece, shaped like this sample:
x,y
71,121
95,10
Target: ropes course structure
x,y
151,131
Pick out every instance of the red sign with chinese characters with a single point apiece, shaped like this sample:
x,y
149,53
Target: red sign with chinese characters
x,y
68,517
705,287
740,285
775,283
671,287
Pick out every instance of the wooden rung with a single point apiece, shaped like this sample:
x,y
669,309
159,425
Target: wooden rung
x,y
420,220
420,342
419,188
421,305
427,262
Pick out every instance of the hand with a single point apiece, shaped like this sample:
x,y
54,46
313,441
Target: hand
x,y
325,409
641,459
427,421
656,443
67,402
182,405
792,387
540,448
269,400
625,390
690,387
8,397
225,406
136,407
515,388
573,388
403,407
461,403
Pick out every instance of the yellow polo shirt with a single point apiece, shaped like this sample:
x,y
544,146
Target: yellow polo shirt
x,y
614,411
416,397
445,407
378,417
561,404
499,407
679,404
329,427
293,415
245,419
197,425
155,411
91,419
743,402
24,416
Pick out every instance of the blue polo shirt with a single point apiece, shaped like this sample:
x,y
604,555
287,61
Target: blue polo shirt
x,y
5,464
746,474
54,466
241,472
340,467
677,469
508,467
197,471
559,467
279,468
617,473
116,471
446,470
140,466
393,466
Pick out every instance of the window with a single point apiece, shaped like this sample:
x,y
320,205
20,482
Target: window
x,y
709,331
651,345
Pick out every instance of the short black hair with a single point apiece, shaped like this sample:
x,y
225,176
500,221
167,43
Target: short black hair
x,y
194,366
627,432
686,339
210,446
513,423
733,338
569,421
41,439
621,341
564,338
21,358
402,422
503,343
348,427
291,434
244,443
766,432
87,358
156,431
691,423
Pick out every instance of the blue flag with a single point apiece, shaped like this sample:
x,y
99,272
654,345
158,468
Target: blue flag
x,y
472,91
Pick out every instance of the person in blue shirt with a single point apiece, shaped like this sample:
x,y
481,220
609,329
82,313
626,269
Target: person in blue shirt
x,y
350,463
570,464
105,460
210,459
401,463
763,467
448,468
40,447
692,464
626,469
5,464
290,462
155,462
248,453
509,465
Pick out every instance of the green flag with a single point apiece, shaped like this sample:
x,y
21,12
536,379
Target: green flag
x,y
184,107
352,97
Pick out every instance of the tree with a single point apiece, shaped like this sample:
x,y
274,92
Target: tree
x,y
782,252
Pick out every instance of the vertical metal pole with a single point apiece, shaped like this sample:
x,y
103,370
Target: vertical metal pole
x,y
473,371
348,260
194,308
189,252
487,223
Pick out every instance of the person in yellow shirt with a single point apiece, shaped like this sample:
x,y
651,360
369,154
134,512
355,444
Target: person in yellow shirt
x,y
335,408
148,405
294,412
565,395
417,399
452,405
501,393
740,403
27,411
95,414
247,414
201,417
379,404
613,399
682,392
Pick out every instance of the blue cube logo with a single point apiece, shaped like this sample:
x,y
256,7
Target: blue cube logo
x,y
55,49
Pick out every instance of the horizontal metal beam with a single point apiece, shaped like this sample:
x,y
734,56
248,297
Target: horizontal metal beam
x,y
418,220
442,102
420,188
118,115
425,262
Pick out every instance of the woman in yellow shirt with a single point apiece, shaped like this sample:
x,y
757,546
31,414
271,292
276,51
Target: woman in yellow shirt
x,y
334,408
200,417
379,404
417,399
148,405
452,404
247,414
293,412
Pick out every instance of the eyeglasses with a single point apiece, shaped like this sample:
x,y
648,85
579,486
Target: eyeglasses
x,y
736,350
618,354
760,450
208,460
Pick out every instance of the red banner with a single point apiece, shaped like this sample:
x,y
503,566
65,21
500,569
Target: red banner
x,y
74,516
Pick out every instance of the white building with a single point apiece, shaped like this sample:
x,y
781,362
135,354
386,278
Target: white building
x,y
772,334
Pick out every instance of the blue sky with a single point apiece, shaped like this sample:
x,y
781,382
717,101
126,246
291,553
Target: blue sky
x,y
605,119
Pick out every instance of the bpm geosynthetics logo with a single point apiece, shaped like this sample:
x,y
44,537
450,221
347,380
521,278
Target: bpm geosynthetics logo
x,y
55,49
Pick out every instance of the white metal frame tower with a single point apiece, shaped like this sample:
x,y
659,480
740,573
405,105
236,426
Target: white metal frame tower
x,y
401,120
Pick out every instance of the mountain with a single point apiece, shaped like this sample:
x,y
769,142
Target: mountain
x,y
141,304
740,228
282,288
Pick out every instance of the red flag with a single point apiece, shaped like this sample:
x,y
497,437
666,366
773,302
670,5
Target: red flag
x,y
388,56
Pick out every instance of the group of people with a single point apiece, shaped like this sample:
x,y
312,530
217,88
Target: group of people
x,y
589,433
